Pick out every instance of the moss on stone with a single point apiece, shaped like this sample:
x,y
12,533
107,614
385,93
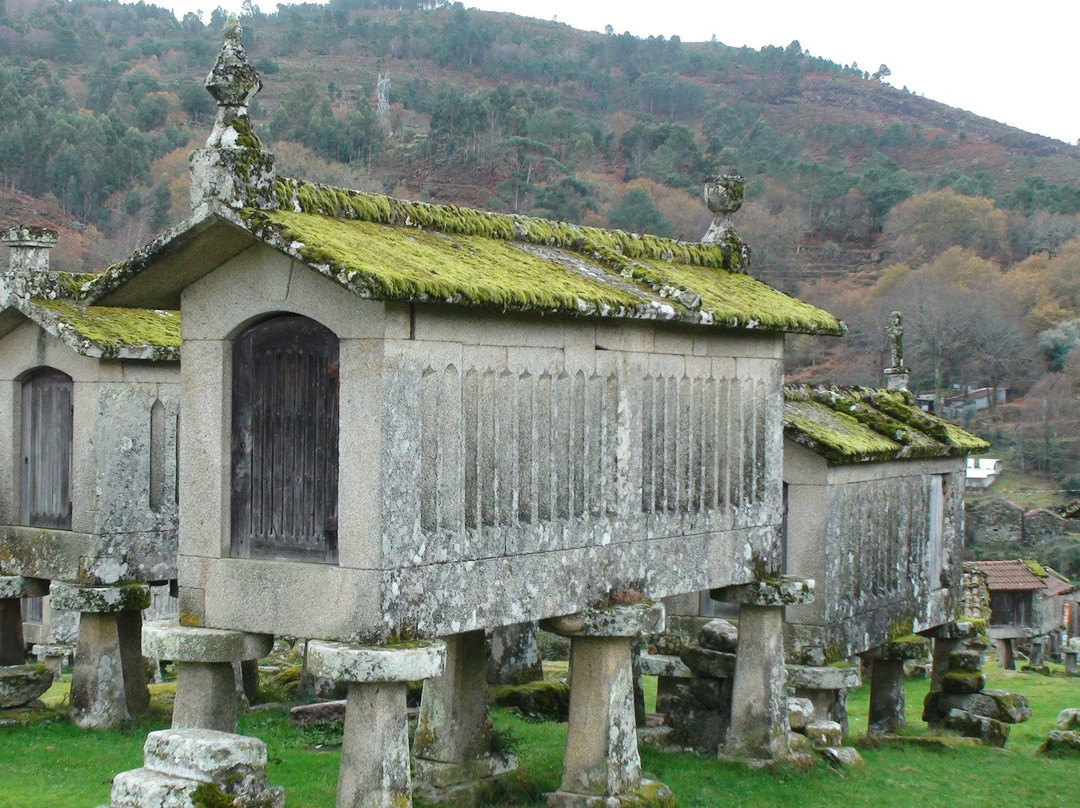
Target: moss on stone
x,y
1035,567
210,795
858,424
112,329
389,248
546,698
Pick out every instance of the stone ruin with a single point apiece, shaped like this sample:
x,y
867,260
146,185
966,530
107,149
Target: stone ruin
x,y
88,509
526,421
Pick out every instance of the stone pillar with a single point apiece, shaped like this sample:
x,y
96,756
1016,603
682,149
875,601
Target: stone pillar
x,y
602,766
453,760
52,657
205,686
1038,650
13,588
108,679
1006,653
759,719
1070,661
515,658
374,769
887,682
826,687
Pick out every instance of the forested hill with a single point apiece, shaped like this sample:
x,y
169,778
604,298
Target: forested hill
x,y
99,103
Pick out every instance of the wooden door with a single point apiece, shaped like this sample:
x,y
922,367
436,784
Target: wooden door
x,y
47,416
284,441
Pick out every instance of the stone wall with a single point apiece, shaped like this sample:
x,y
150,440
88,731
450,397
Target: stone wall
x,y
993,521
493,468
867,544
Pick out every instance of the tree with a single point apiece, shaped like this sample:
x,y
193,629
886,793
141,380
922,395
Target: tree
x,y
926,225
882,73
636,213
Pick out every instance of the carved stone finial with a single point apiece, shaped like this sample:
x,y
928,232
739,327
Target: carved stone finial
x,y
724,193
232,169
29,247
233,82
724,196
896,375
895,332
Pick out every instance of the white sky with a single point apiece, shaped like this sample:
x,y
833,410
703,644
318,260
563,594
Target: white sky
x,y
1013,62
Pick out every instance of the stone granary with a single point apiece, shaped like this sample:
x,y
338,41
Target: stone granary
x,y
874,513
88,460
405,422
1027,606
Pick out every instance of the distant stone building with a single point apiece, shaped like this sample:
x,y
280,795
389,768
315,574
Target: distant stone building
x,y
873,497
1028,605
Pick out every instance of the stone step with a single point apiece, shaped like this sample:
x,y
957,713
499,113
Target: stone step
x,y
144,788
208,756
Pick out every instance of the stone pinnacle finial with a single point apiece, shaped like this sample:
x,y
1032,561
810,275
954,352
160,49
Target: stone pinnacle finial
x,y
724,196
29,247
232,169
896,375
233,82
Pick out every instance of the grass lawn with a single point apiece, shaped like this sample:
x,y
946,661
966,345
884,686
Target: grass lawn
x,y
51,764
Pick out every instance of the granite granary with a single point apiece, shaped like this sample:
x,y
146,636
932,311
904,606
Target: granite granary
x,y
88,496
405,424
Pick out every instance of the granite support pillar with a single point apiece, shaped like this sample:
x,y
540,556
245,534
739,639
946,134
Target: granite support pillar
x,y
13,588
514,657
453,761
602,766
108,678
759,718
205,685
374,769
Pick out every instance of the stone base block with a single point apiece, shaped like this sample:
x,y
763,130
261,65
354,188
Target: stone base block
x,y
54,657
783,590
846,757
665,665
960,682
649,794
343,662
21,684
800,712
987,730
198,767
825,734
719,635
826,677
464,784
709,664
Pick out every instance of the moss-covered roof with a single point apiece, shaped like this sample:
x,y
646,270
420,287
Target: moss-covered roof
x,y
54,301
862,425
389,249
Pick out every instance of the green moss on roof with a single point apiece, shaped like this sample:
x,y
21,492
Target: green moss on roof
x,y
1036,569
388,248
114,332
856,424
395,262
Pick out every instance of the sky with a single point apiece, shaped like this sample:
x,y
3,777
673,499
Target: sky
x,y
1011,62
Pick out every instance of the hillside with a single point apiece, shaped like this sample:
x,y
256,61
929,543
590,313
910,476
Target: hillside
x,y
100,102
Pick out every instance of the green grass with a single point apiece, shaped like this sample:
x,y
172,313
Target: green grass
x,y
55,765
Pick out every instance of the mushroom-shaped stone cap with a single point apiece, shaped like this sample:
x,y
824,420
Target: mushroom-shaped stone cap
x,y
724,193
232,81
612,621
168,640
407,662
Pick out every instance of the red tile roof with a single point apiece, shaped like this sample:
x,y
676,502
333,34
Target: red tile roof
x,y
1056,584
1010,576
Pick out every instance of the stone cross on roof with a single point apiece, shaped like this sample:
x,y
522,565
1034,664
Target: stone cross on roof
x,y
895,332
896,375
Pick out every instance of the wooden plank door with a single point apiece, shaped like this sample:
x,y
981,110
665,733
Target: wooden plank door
x,y
285,441
47,416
